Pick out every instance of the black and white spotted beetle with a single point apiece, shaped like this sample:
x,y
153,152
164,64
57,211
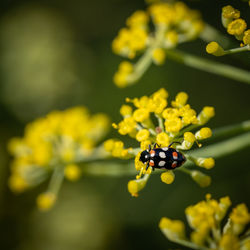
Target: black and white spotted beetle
x,y
166,158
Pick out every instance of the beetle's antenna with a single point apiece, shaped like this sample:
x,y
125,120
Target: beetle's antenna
x,y
173,143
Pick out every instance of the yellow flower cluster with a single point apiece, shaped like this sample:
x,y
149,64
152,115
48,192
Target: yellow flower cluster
x,y
205,218
57,141
235,26
153,120
173,23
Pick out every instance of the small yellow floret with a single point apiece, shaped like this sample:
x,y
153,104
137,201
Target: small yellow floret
x,y
162,139
229,242
159,56
189,136
172,37
120,78
138,164
167,177
180,100
173,125
215,49
203,133
237,27
205,115
139,18
173,229
141,114
230,13
240,215
169,113
72,172
46,201
142,135
144,144
246,37
200,178
109,145
126,110
207,163
17,184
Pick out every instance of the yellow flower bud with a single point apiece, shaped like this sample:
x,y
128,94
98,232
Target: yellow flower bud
x,y
180,100
17,183
173,229
229,242
142,135
230,12
144,144
200,178
205,115
203,133
72,172
126,110
173,125
45,201
167,177
246,37
237,27
215,49
207,163
141,114
162,139
109,145
134,186
138,164
159,56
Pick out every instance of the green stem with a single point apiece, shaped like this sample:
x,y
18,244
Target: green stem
x,y
231,129
211,34
209,66
224,148
145,61
56,180
237,50
110,169
187,243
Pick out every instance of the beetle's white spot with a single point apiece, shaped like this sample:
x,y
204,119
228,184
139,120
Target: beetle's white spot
x,y
174,164
152,154
161,163
162,155
165,149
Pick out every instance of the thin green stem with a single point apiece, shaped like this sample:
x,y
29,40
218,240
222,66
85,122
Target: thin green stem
x,y
209,66
145,61
237,50
223,148
110,169
211,34
187,243
231,129
56,180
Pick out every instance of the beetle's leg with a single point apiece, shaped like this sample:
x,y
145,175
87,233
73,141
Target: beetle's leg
x,y
156,144
149,147
173,143
147,166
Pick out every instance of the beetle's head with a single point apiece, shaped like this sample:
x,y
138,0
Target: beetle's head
x,y
144,156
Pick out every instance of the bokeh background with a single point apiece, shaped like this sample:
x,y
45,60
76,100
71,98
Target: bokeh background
x,y
57,54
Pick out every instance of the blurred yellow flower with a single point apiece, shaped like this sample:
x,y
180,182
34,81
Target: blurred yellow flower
x,y
54,144
205,219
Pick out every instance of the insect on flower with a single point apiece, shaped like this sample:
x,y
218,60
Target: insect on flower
x,y
166,158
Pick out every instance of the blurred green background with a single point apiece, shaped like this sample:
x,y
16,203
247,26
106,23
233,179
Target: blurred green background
x,y
57,54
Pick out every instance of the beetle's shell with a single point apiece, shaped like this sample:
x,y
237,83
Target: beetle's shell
x,y
166,158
